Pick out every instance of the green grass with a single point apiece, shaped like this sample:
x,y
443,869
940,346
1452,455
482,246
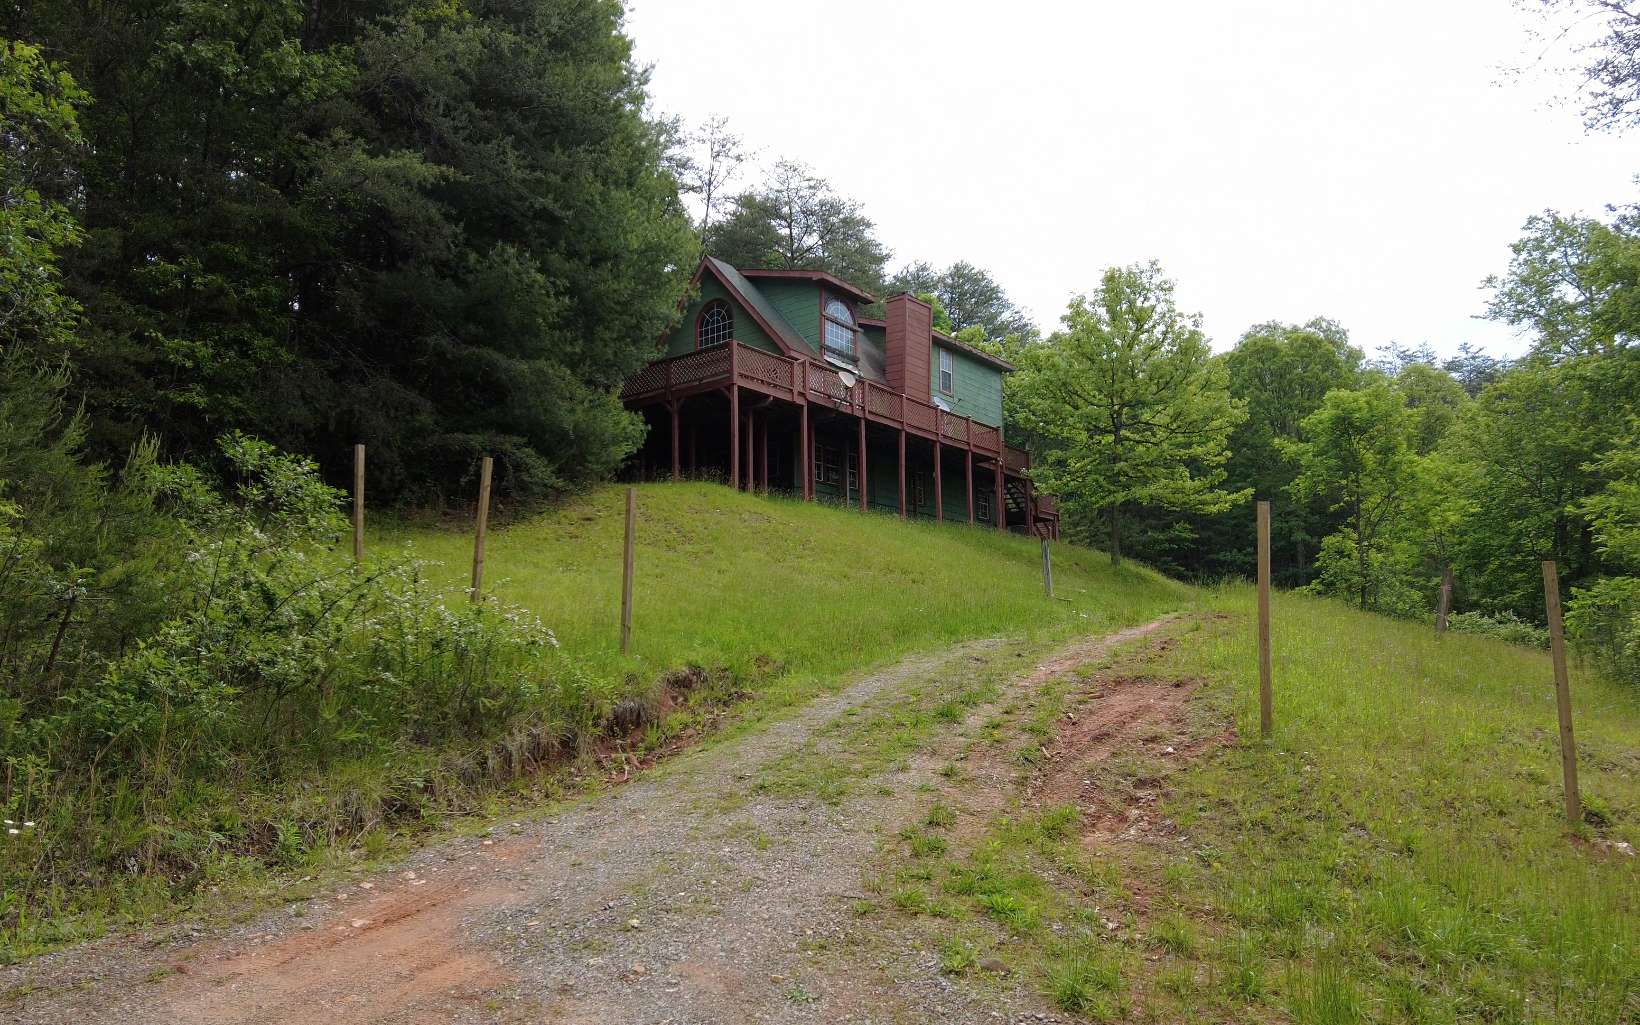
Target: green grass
x,y
725,578
1398,849
780,599
1396,852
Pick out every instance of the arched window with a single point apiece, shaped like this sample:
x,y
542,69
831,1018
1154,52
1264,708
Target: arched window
x,y
839,325
716,324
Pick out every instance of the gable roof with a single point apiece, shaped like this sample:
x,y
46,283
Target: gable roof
x,y
753,300
837,283
941,338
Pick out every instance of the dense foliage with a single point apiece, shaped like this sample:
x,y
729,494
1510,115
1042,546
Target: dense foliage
x,y
181,653
441,228
1132,409
1387,475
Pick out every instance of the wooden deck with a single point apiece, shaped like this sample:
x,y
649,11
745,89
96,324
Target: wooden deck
x,y
804,382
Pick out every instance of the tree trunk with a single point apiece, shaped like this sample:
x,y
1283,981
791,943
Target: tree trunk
x,y
1115,534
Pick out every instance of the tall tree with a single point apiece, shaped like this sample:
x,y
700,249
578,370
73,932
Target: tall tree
x,y
442,229
715,159
1280,372
1357,458
1135,412
1605,39
1434,398
795,221
970,296
39,129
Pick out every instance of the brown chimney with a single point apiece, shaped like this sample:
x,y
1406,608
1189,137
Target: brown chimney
x,y
910,345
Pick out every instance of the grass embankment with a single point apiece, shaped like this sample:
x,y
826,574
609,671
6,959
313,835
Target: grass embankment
x,y
1396,853
729,579
776,599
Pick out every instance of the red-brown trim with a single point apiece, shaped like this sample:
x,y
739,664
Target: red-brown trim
x,y
745,304
941,338
812,275
824,319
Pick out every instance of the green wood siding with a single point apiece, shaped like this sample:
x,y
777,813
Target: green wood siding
x,y
747,330
976,388
798,302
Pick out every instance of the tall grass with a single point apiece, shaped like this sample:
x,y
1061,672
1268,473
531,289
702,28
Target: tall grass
x,y
725,577
1398,851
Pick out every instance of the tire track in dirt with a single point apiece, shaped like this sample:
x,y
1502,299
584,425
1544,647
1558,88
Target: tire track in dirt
x,y
647,904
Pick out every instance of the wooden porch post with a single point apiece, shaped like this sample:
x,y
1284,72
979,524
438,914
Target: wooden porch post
x,y
677,468
763,443
999,507
694,467
968,468
734,436
1030,508
750,477
939,494
805,460
864,486
902,473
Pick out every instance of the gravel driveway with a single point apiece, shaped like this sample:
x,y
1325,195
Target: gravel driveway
x,y
690,895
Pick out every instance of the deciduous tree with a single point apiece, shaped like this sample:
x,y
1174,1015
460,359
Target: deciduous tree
x,y
1134,411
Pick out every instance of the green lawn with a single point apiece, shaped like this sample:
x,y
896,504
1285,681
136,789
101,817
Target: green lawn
x,y
1396,853
728,578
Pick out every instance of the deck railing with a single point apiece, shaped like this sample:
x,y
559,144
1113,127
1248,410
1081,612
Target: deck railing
x,y
800,378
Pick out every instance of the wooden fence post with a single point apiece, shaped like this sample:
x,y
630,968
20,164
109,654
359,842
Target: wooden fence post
x,y
626,569
483,524
1563,693
1266,717
358,504
1444,606
1047,569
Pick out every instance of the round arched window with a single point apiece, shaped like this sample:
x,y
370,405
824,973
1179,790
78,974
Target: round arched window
x,y
716,324
839,329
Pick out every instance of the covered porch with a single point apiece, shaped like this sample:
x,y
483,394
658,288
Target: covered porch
x,y
766,422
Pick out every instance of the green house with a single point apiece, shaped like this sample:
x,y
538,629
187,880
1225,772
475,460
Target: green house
x,y
777,380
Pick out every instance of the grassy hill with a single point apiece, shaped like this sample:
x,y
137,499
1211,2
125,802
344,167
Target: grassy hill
x,y
1396,852
728,578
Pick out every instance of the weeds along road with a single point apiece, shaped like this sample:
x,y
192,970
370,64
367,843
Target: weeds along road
x,y
723,887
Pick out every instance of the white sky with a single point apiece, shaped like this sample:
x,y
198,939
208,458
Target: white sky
x,y
1283,159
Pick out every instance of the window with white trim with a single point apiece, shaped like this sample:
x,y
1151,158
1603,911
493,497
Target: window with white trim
x,y
945,371
982,505
716,325
837,324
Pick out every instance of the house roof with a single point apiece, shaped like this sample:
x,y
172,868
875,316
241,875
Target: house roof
x,y
979,354
815,275
765,314
951,343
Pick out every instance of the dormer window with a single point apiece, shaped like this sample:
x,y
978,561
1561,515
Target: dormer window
x,y
716,325
838,322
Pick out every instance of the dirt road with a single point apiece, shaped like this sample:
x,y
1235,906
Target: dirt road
x,y
696,893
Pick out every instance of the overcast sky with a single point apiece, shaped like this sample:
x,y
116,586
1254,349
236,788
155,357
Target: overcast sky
x,y
1365,161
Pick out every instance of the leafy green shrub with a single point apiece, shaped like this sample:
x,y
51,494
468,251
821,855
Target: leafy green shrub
x,y
1605,621
205,677
1503,626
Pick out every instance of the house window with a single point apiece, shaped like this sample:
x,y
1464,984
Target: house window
x,y
838,323
945,371
716,325
828,465
982,506
853,474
